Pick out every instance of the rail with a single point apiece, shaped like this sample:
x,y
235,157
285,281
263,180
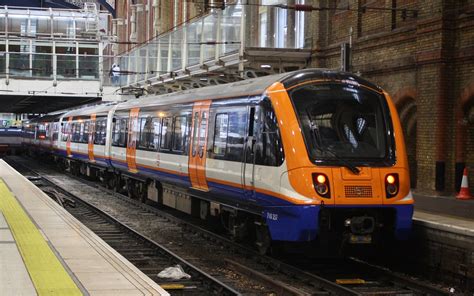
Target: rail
x,y
146,254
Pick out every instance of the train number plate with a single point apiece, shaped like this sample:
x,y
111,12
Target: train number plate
x,y
360,239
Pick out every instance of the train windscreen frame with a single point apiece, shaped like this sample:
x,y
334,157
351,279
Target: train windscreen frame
x,y
344,123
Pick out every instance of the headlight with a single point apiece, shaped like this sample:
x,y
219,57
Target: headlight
x,y
391,185
321,185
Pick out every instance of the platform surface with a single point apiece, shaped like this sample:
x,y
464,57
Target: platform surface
x,y
44,250
445,213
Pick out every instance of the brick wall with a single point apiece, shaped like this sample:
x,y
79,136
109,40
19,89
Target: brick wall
x,y
430,52
423,50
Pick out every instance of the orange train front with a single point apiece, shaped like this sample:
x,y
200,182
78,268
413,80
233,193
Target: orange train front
x,y
345,158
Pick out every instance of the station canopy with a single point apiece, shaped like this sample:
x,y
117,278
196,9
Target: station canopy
x,y
41,104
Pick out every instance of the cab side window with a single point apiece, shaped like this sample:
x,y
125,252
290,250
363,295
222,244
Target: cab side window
x,y
268,148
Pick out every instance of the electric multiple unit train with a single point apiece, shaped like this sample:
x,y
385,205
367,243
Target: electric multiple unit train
x,y
303,156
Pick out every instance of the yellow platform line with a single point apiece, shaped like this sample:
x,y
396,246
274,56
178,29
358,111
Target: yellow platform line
x,y
46,271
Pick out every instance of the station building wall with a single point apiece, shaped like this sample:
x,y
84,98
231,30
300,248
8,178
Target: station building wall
x,y
153,18
425,60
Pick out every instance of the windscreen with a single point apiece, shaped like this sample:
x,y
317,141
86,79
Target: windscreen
x,y
342,121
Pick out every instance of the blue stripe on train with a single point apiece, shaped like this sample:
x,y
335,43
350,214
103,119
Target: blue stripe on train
x,y
300,223
260,199
166,177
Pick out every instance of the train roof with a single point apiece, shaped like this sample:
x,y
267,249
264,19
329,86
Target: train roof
x,y
45,118
256,86
249,87
302,76
101,108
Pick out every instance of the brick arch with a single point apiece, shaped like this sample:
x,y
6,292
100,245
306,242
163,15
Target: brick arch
x,y
467,95
405,102
403,96
466,100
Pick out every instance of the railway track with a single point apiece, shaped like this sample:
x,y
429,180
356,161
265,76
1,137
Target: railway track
x,y
252,273
149,256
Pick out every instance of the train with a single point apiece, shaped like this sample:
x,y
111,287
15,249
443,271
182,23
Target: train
x,y
313,155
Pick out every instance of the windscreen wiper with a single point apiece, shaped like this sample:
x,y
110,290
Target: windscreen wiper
x,y
340,160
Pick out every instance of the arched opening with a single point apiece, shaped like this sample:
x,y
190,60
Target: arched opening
x,y
407,110
465,136
465,141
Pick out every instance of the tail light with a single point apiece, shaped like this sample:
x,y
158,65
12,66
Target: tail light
x,y
321,185
392,185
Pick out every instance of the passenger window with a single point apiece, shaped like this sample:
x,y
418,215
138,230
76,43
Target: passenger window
x,y
166,134
64,131
220,134
179,133
145,126
91,133
119,135
97,132
149,133
55,131
47,131
100,130
71,130
116,132
84,132
202,133
123,132
155,133
77,132
103,131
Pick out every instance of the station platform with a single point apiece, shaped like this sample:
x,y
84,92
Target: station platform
x,y
443,239
454,214
46,251
445,213
445,205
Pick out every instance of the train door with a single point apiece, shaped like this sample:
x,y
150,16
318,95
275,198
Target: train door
x,y
248,165
69,136
198,147
109,129
133,129
90,141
